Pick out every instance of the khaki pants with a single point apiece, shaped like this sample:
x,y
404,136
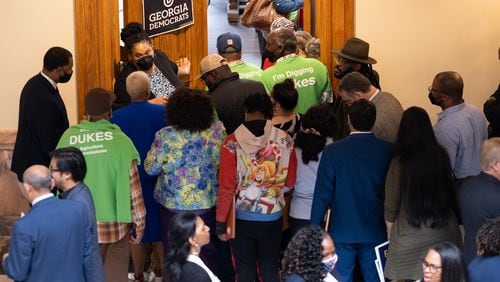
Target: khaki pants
x,y
115,257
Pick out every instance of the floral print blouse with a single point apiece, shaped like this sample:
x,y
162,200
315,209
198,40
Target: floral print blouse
x,y
160,86
188,164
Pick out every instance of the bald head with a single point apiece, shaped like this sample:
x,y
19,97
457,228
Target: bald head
x,y
450,83
138,86
282,39
38,177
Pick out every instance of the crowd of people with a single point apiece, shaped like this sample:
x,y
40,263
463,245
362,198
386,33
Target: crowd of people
x,y
196,184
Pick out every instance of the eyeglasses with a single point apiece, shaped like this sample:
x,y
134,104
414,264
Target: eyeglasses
x,y
430,89
432,268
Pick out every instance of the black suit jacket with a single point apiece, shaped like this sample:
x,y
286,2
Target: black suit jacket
x,y
42,121
192,272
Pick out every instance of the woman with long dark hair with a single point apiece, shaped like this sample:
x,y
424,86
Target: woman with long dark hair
x,y
418,197
444,262
187,234
317,130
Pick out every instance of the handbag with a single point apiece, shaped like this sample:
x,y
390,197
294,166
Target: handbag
x,y
259,14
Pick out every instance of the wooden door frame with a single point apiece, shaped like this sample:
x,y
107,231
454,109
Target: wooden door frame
x,y
97,41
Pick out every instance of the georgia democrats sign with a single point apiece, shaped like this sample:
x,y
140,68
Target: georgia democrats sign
x,y
162,16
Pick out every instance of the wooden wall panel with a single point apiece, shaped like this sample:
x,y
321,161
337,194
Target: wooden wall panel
x,y
307,15
188,42
97,46
334,23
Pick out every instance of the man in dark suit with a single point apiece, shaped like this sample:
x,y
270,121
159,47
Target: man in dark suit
x,y
42,114
54,232
479,195
350,181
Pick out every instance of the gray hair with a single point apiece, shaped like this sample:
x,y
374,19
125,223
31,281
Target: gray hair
x,y
490,152
38,177
138,86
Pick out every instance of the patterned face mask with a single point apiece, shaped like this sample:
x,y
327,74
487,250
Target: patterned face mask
x,y
329,263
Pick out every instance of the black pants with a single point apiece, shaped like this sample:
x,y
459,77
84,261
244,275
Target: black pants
x,y
257,243
297,224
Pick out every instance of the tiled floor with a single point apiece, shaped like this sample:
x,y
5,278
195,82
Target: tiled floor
x,y
218,24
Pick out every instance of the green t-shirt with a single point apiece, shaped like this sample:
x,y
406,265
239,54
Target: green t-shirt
x,y
246,70
310,76
109,154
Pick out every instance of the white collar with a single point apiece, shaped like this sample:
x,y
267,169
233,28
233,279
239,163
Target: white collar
x,y
374,94
41,198
197,260
53,83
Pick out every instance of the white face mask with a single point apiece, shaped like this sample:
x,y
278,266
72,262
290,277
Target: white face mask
x,y
329,263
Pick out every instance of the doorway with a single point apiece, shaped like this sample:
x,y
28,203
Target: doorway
x,y
218,24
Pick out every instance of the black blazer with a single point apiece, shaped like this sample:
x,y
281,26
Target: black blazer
x,y
192,272
162,62
42,121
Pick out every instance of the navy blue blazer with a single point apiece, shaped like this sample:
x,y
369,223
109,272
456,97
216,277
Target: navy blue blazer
x,y
82,194
54,232
42,121
350,180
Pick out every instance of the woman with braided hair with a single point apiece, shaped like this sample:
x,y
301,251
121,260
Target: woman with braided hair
x,y
310,256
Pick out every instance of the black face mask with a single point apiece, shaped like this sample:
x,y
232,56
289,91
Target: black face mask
x,y
271,55
434,100
339,73
144,63
65,77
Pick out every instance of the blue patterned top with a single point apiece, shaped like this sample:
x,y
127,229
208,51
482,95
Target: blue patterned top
x,y
188,163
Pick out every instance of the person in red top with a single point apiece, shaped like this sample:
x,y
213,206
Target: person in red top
x,y
258,164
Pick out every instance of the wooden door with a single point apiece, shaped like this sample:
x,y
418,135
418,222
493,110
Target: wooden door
x,y
332,21
97,44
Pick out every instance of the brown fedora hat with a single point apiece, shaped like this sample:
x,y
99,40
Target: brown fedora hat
x,y
356,49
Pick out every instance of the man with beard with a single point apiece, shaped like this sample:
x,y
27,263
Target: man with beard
x,y
310,75
42,114
352,57
227,90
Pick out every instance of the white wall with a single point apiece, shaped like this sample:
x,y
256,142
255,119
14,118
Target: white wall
x,y
30,28
413,40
